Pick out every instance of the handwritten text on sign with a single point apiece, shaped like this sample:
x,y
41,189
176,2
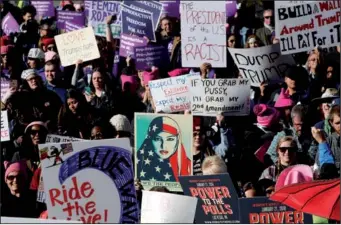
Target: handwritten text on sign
x,y
5,135
79,44
231,96
302,26
265,64
203,33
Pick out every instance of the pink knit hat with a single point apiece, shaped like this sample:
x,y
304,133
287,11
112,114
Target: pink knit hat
x,y
284,100
178,72
293,175
5,49
266,115
132,80
19,166
50,55
149,76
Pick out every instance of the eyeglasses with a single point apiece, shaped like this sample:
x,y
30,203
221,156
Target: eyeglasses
x,y
269,191
12,177
34,132
289,149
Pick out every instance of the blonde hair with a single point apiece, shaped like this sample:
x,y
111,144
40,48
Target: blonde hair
x,y
279,168
213,165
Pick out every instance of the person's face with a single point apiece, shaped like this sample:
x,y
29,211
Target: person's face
x,y
250,193
253,44
329,72
166,26
325,109
335,123
43,32
4,58
33,82
297,123
269,191
50,73
197,139
32,63
38,135
165,144
290,83
231,43
15,181
286,153
313,61
96,133
97,80
27,16
72,104
268,18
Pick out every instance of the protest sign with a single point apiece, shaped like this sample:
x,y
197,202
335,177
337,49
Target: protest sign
x,y
22,220
9,24
261,210
212,96
71,26
152,7
158,164
203,33
98,11
5,85
95,176
137,23
148,56
78,44
218,199
159,207
303,25
128,43
44,8
100,30
5,132
264,64
171,8
171,94
76,18
53,138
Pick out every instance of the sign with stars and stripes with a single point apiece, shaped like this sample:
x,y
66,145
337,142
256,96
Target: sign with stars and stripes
x,y
163,149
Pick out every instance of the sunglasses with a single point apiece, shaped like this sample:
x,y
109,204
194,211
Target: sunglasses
x,y
268,17
269,191
232,41
289,149
34,132
12,177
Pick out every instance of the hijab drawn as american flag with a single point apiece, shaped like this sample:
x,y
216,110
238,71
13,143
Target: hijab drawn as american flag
x,y
162,156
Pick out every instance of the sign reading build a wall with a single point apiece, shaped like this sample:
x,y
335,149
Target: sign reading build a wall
x,y
264,64
79,44
302,25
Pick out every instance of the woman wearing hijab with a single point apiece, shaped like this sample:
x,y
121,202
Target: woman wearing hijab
x,y
163,151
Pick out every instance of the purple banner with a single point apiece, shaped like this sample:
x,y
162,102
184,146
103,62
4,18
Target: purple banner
x,y
148,56
5,85
231,8
71,26
9,24
171,8
128,43
137,23
76,18
44,8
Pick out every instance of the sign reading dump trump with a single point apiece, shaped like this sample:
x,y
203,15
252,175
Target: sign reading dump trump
x,y
78,44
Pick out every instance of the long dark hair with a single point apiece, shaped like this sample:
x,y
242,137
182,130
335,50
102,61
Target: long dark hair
x,y
106,80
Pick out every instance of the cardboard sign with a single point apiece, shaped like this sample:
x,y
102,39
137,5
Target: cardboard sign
x,y
9,24
98,11
262,64
72,27
301,25
218,199
89,181
21,220
128,43
171,94
212,96
159,207
152,7
261,210
148,56
79,44
100,30
137,23
203,33
44,8
5,85
171,8
5,132
77,18
53,138
163,149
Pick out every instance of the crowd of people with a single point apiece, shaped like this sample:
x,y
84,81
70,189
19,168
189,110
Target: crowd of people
x,y
291,123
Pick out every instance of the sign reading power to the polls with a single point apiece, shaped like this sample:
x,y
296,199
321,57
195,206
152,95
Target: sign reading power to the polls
x,y
90,181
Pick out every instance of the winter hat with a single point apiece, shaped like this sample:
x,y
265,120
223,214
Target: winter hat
x,y
50,56
40,123
329,95
36,53
131,80
266,115
47,41
149,76
293,175
28,73
19,166
5,40
178,72
120,123
196,123
5,49
284,100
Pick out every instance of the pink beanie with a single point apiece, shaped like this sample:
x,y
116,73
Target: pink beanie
x,y
178,72
149,76
5,49
284,100
19,166
132,80
293,175
50,55
266,116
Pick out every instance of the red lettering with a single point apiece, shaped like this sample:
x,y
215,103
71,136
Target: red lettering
x,y
226,192
298,217
193,191
276,217
54,194
86,186
253,218
264,218
96,218
288,217
90,207
324,6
